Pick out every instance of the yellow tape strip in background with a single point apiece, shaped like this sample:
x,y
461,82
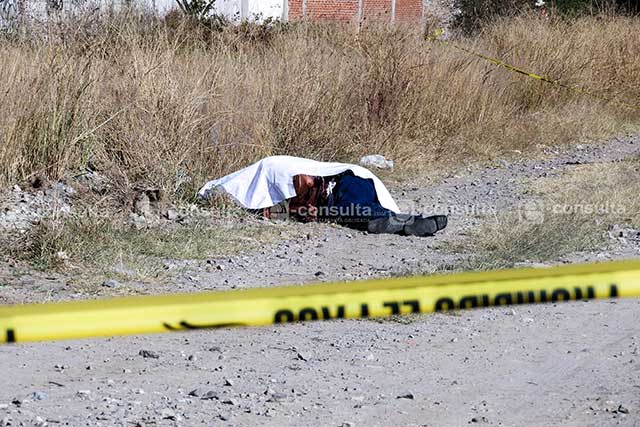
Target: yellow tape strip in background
x,y
263,306
436,37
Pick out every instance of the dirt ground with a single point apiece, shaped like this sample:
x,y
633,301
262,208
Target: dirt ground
x,y
559,364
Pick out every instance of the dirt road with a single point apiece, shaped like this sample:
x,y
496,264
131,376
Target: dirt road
x,y
561,364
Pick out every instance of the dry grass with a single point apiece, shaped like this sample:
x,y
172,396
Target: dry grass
x,y
172,105
109,249
573,213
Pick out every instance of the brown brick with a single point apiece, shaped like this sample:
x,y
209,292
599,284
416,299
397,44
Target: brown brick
x,y
347,10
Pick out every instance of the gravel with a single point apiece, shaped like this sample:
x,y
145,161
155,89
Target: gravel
x,y
499,366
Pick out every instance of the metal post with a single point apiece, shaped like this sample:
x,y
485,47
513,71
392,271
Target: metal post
x,y
360,12
244,9
304,9
393,12
285,10
426,5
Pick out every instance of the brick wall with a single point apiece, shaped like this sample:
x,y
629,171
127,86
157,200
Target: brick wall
x,y
378,10
347,10
409,10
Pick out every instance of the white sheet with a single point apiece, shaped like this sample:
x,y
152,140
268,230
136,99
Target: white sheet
x,y
270,181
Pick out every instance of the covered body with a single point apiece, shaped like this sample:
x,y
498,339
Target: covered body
x,y
270,181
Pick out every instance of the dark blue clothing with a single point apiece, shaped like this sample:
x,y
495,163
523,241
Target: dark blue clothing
x,y
354,202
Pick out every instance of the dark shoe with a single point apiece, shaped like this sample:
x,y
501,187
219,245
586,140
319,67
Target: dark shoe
x,y
441,221
421,227
388,224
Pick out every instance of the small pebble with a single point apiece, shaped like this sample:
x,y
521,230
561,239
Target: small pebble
x,y
210,395
407,395
113,284
38,395
148,354
168,414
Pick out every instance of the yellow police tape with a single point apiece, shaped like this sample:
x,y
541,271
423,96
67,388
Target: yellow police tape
x,y
263,306
436,37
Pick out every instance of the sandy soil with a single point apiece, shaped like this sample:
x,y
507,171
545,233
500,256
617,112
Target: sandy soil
x,y
569,364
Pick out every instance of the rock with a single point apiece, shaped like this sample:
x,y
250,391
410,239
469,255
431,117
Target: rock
x,y
83,394
148,354
303,356
610,406
149,202
197,392
407,395
38,395
96,182
319,273
110,283
5,422
230,401
228,383
622,409
276,397
168,414
171,214
139,221
62,188
142,205
376,161
210,395
40,422
169,265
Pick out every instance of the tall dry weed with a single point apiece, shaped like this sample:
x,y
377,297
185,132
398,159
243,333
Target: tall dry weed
x,y
172,104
